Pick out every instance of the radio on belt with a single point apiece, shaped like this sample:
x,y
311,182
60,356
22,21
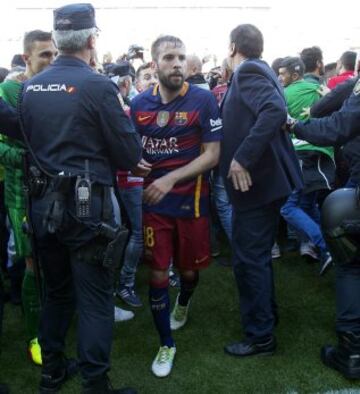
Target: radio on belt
x,y
83,194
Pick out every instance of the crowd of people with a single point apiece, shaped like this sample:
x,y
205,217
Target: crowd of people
x,y
178,155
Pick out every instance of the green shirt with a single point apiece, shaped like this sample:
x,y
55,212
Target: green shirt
x,y
11,154
300,95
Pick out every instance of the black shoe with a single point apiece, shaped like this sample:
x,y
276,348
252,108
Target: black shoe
x,y
344,358
103,385
247,348
4,389
55,373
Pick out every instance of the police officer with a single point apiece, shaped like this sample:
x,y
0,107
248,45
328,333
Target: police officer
x,y
77,134
341,226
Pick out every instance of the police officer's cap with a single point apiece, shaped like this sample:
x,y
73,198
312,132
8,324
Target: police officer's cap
x,y
78,16
121,69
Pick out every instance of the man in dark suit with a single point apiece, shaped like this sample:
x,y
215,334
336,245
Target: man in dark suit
x,y
261,169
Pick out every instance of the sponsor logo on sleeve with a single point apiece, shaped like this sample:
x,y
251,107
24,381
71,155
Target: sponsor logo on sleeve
x,y
215,124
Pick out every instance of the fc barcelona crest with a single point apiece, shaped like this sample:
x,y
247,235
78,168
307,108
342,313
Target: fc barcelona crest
x,y
181,118
162,118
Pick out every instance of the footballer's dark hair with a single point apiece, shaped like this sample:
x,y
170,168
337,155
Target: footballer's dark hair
x,y
293,65
162,39
32,36
248,40
310,57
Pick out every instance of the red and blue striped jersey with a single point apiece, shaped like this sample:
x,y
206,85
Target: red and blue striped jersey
x,y
172,136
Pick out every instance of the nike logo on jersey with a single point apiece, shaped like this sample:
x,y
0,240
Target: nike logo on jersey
x,y
201,260
142,118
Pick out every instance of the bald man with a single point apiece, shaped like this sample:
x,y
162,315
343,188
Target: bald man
x,y
194,72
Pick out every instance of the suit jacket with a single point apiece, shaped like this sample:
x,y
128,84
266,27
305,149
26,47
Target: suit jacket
x,y
253,112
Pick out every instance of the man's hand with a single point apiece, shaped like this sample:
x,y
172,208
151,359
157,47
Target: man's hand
x,y
323,90
240,176
142,169
305,112
157,190
289,124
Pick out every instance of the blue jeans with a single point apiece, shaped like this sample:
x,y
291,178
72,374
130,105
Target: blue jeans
x,y
301,212
132,200
222,203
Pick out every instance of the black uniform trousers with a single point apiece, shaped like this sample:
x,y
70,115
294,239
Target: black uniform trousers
x,y
73,284
254,233
348,297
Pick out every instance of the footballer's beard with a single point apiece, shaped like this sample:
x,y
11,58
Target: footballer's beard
x,y
170,82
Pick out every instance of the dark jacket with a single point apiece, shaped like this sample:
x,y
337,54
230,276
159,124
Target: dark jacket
x,y
199,80
72,114
253,112
332,102
9,121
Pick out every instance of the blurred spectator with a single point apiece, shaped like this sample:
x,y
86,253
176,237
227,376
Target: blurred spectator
x,y
3,73
17,60
330,70
107,61
107,58
317,164
222,77
145,77
345,69
314,66
121,74
194,72
275,65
